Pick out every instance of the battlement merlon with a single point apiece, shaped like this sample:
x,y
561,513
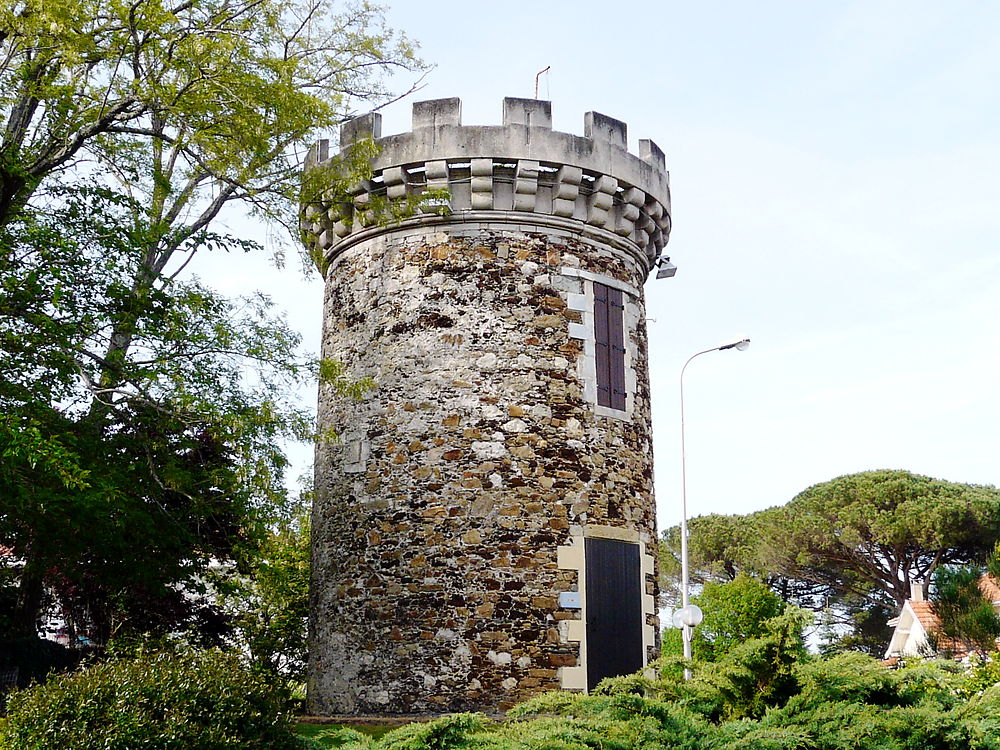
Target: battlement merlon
x,y
520,166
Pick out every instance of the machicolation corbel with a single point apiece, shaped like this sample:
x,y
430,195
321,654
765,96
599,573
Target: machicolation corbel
x,y
520,166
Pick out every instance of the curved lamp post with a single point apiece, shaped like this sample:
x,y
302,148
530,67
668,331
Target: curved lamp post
x,y
690,615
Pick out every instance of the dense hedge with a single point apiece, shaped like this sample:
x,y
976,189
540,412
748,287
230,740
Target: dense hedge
x,y
196,701
765,694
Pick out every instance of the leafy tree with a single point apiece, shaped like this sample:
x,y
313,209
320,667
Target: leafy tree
x,y
720,548
875,533
850,547
983,675
755,674
853,623
734,612
177,456
968,616
269,604
198,98
141,411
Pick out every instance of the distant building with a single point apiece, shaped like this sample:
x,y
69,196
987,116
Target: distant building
x,y
918,626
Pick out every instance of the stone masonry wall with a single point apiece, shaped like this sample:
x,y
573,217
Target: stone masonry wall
x,y
440,508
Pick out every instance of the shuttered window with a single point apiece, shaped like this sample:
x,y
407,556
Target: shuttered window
x,y
609,336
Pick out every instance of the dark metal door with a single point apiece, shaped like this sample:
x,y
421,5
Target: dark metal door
x,y
613,609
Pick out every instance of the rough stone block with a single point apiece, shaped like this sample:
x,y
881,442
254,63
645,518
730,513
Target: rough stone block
x,y
597,217
533,113
568,181
573,678
652,154
527,169
365,126
634,197
482,201
437,112
480,167
604,128
436,170
524,201
562,207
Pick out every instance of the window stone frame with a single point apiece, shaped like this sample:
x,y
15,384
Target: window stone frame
x,y
583,303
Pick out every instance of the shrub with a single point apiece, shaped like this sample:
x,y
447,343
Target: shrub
x,y
34,658
195,701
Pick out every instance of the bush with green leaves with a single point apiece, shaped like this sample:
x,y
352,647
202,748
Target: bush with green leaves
x,y
163,701
968,616
765,693
734,612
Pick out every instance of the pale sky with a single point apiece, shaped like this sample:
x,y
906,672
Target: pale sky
x,y
835,170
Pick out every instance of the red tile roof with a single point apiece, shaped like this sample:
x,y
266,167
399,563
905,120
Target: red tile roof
x,y
990,587
931,623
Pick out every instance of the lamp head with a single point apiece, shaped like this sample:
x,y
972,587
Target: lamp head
x,y
691,616
741,346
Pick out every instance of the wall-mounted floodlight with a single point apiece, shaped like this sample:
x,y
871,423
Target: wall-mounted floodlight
x,y
666,269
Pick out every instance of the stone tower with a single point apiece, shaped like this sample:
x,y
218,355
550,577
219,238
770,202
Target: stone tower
x,y
484,525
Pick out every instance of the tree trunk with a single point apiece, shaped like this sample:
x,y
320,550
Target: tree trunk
x,y
30,594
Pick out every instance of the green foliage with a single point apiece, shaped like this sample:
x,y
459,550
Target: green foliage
x,y
128,419
719,548
757,673
158,701
856,624
268,606
765,693
871,533
557,703
993,562
142,412
336,735
334,374
734,612
446,733
983,675
850,546
205,102
966,613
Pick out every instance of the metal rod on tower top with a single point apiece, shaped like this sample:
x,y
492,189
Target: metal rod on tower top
x,y
539,75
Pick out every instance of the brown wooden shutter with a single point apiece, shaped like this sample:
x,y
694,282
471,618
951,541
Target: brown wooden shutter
x,y
609,339
616,348
602,344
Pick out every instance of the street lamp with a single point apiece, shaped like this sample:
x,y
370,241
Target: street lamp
x,y
690,614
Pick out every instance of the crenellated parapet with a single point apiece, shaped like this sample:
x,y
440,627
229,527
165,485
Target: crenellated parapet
x,y
588,184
